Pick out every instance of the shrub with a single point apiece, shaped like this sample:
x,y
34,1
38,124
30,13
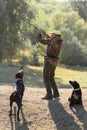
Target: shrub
x,y
73,53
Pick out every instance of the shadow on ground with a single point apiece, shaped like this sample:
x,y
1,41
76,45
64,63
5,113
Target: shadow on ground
x,y
15,125
62,119
81,114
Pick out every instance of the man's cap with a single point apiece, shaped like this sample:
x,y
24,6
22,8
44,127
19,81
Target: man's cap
x,y
56,32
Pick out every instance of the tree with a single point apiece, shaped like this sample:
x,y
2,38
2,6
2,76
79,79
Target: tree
x,y
81,6
72,50
13,25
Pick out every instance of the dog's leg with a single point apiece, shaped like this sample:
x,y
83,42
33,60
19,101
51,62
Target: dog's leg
x,y
72,101
80,101
21,98
18,115
19,107
11,103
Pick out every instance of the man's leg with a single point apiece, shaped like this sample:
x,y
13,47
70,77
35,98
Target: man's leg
x,y
46,76
53,83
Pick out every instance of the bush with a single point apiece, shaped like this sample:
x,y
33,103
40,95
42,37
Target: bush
x,y
73,53
24,61
32,59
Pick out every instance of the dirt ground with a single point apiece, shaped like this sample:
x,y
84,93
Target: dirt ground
x,y
38,114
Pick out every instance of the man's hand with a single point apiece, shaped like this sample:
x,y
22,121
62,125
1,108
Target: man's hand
x,y
42,33
38,31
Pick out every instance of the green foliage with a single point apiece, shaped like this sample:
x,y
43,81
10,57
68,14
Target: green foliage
x,y
81,6
13,15
73,28
73,53
32,59
67,18
24,61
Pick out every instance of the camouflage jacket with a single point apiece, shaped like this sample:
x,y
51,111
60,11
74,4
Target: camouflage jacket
x,y
53,47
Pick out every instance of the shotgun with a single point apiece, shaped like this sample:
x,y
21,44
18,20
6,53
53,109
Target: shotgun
x,y
44,33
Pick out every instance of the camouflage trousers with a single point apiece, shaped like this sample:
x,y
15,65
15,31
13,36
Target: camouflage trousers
x,y
48,77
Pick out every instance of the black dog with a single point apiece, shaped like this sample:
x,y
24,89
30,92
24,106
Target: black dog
x,y
17,95
76,96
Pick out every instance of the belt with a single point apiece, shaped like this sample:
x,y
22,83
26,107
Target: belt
x,y
52,56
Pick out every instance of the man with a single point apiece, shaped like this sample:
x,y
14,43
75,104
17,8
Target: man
x,y
53,42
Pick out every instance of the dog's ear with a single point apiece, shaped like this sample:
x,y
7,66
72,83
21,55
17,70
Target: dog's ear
x,y
70,81
76,84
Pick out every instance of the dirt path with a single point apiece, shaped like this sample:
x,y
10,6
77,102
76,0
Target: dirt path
x,y
38,114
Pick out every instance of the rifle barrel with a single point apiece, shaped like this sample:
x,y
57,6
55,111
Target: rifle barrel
x,y
38,28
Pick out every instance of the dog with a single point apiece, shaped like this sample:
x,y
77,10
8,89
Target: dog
x,y
17,95
76,96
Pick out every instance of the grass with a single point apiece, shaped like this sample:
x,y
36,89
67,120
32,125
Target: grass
x,y
64,74
34,75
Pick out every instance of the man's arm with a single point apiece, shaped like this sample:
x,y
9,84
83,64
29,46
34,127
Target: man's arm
x,y
45,41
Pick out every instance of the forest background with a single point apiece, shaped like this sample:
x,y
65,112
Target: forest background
x,y
18,42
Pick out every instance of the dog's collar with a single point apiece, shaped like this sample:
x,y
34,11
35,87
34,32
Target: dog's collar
x,y
76,89
19,79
